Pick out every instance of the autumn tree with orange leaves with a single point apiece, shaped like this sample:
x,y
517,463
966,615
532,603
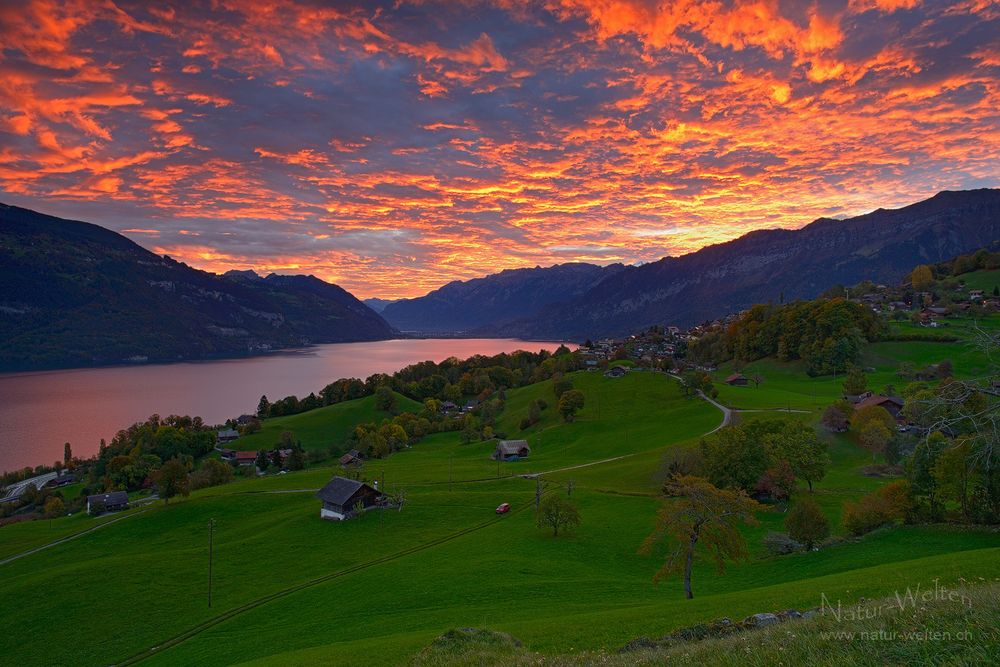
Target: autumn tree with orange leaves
x,y
702,520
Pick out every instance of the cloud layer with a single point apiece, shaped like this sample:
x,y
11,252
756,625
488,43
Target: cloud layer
x,y
391,147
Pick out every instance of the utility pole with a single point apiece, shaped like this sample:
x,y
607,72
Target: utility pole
x,y
569,488
538,492
451,477
211,530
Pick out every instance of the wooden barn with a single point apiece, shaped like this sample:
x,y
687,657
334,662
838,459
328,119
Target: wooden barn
x,y
511,450
341,496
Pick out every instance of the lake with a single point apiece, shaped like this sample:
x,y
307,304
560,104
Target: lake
x,y
42,410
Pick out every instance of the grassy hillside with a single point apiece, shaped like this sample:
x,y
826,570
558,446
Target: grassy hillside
x,y
292,589
322,427
984,279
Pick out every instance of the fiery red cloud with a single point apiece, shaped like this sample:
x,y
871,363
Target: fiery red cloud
x,y
393,146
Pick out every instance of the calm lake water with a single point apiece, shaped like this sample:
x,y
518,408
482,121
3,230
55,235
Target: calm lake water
x,y
41,411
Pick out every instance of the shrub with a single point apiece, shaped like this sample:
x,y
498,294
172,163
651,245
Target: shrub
x,y
806,523
781,544
888,505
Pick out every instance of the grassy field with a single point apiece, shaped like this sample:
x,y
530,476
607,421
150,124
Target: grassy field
x,y
292,589
985,280
323,427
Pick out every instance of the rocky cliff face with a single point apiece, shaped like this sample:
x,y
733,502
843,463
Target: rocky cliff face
x,y
767,265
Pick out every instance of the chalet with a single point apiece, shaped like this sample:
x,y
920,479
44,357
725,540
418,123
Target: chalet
x,y
227,435
892,404
342,498
615,372
470,405
511,450
243,420
107,502
898,305
227,454
855,399
61,480
737,380
448,406
975,294
352,459
245,458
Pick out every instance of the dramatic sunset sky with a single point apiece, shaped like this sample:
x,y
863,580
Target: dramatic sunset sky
x,y
393,146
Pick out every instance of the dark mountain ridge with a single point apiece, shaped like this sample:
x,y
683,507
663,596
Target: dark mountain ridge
x,y
76,294
766,265
489,302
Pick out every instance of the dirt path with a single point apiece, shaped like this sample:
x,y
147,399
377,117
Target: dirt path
x,y
69,538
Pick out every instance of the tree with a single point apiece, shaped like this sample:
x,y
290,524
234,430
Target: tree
x,y
734,460
778,481
856,382
172,480
873,413
560,385
385,399
955,474
557,512
757,380
806,523
703,519
296,460
798,444
286,440
834,419
276,459
263,407
569,403
921,278
262,461
67,454
54,507
874,437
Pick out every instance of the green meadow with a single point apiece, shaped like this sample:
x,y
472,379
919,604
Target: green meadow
x,y
291,589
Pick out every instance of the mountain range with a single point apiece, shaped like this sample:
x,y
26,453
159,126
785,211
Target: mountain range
x,y
485,304
76,294
758,267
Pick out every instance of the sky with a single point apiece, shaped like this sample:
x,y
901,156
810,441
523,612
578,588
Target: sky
x,y
391,147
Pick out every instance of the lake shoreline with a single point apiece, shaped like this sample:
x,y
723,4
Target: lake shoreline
x,y
213,358
42,409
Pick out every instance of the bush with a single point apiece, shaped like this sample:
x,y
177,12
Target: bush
x,y
888,505
212,473
781,544
806,523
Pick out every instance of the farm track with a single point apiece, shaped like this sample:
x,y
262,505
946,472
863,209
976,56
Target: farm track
x,y
236,611
68,538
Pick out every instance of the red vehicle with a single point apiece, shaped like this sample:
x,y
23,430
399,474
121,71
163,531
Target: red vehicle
x,y
503,508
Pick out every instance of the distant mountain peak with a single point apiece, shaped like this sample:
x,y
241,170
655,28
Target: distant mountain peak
x,y
248,274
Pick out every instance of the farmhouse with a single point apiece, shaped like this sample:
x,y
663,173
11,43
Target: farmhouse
x,y
62,480
227,435
615,372
737,380
107,502
342,497
855,399
892,404
352,459
511,450
245,458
